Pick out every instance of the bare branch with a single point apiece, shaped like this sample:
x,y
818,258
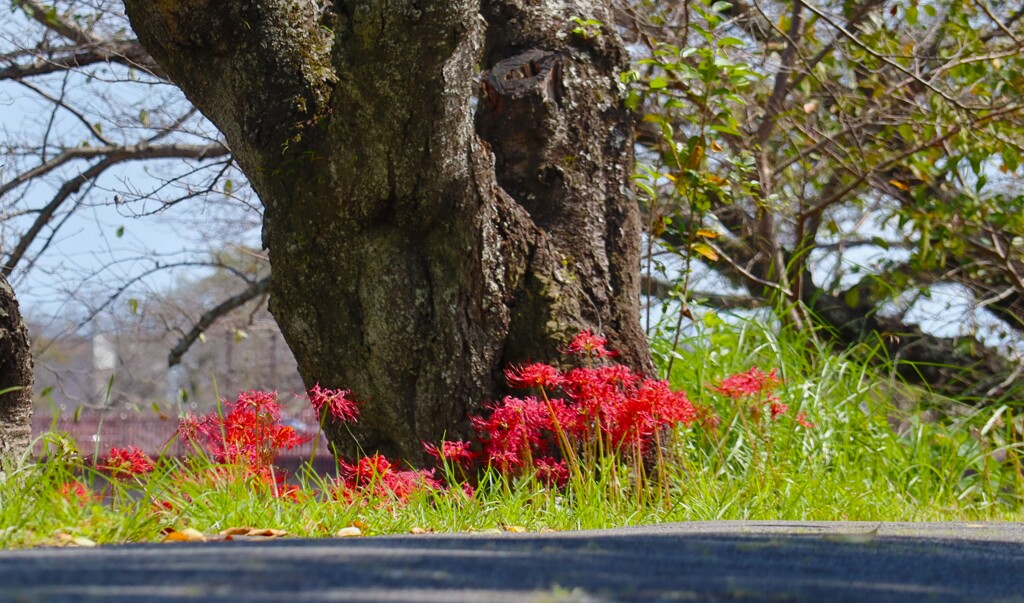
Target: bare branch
x,y
59,102
113,157
254,290
119,153
49,18
128,53
782,78
662,289
1004,27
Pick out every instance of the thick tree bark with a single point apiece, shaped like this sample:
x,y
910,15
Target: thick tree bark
x,y
416,250
15,375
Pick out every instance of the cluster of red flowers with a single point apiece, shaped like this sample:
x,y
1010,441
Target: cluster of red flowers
x,y
126,463
751,383
76,492
605,408
376,476
606,405
459,453
756,385
248,433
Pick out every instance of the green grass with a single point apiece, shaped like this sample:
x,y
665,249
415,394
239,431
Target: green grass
x,y
864,460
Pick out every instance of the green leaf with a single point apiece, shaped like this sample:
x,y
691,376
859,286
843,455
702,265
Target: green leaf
x,y
120,232
726,130
657,83
133,305
1011,158
975,161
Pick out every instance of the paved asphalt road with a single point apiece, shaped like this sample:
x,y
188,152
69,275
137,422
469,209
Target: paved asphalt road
x,y
720,561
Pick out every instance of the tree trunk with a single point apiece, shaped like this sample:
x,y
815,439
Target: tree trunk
x,y
15,375
417,250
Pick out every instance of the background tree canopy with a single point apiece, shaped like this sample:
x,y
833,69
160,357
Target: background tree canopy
x,y
841,161
835,163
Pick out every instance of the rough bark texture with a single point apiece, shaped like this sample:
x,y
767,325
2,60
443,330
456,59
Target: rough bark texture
x,y
417,250
15,372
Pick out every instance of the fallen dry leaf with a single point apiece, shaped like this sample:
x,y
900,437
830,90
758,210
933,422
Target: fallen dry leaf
x,y
82,541
516,529
349,532
420,531
186,535
65,539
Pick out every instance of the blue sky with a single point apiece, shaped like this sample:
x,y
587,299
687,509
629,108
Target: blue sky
x,y
103,244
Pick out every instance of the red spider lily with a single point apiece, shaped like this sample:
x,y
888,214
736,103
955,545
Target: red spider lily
x,y
453,452
642,411
802,419
249,433
289,491
76,492
593,392
551,471
588,345
750,383
778,408
334,402
376,476
515,427
706,417
590,386
275,482
533,375
125,463
163,506
609,402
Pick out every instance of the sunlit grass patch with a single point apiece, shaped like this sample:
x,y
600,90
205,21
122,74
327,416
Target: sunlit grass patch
x,y
757,425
